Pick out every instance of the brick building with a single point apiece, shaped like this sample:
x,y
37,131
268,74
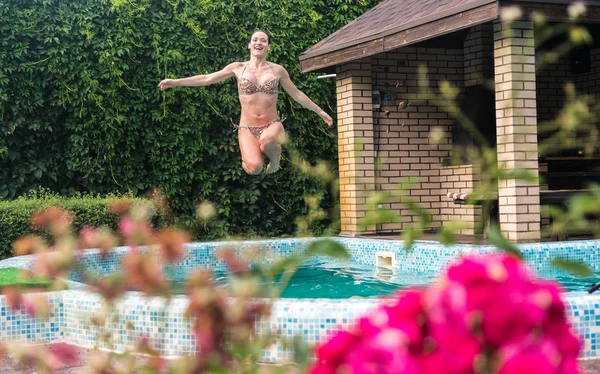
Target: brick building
x,y
469,44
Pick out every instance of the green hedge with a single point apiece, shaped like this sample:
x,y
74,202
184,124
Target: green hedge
x,y
88,211
80,110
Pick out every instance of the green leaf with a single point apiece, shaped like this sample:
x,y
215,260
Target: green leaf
x,y
374,217
302,352
328,247
520,174
409,236
290,262
575,268
496,238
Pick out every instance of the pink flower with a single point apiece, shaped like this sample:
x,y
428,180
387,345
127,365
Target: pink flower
x,y
13,296
569,366
483,293
405,315
408,315
566,342
385,352
36,305
66,353
529,355
323,369
127,226
487,312
87,237
336,347
453,345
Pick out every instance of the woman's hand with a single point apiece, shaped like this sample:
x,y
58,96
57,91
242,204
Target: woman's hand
x,y
166,83
325,117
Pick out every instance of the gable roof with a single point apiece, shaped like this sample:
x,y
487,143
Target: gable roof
x,y
396,23
388,18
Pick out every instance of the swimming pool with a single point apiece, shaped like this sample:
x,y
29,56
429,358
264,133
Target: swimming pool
x,y
340,279
315,319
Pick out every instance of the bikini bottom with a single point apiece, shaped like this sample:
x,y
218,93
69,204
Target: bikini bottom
x,y
257,130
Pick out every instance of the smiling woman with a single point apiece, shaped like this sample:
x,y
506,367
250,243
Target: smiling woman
x,y
260,130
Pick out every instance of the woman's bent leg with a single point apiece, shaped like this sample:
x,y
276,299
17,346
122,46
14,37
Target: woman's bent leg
x,y
270,144
252,158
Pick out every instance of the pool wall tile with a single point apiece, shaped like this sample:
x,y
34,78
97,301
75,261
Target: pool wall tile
x,y
163,324
16,325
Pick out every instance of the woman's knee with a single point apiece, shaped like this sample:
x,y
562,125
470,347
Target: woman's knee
x,y
275,134
252,167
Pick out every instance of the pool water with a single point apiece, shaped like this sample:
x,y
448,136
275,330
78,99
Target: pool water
x,y
342,280
571,283
336,281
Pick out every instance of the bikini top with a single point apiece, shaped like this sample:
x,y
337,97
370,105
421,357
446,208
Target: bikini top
x,y
247,87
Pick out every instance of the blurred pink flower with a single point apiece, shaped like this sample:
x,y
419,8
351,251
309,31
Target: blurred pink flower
x,y
127,226
36,305
529,355
484,293
64,353
333,351
487,314
386,352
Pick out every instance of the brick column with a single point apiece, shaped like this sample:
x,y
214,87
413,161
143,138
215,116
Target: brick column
x,y
516,124
356,150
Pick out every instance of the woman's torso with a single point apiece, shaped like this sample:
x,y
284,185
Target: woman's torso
x,y
257,91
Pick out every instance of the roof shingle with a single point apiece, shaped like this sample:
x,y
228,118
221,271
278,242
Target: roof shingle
x,y
388,17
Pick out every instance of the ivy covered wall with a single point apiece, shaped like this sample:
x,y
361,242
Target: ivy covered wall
x,y
80,109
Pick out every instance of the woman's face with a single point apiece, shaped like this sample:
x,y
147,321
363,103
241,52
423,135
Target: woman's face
x,y
259,44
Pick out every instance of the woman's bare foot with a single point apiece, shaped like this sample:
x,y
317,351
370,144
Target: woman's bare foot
x,y
272,167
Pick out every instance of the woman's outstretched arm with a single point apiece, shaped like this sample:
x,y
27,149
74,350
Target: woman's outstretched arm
x,y
300,97
201,80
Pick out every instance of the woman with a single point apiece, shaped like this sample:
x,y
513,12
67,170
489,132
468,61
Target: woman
x,y
260,129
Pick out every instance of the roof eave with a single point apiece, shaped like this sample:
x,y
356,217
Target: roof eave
x,y
433,17
396,39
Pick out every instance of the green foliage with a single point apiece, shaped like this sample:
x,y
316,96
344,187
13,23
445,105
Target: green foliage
x,y
328,247
573,267
496,238
15,216
16,277
80,110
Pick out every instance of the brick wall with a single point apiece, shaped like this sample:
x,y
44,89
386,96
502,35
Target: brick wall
x,y
550,93
550,84
409,143
478,55
355,142
590,83
403,138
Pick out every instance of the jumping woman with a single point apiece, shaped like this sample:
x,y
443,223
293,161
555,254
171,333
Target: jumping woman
x,y
260,129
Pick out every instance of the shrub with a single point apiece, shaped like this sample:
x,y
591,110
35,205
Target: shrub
x,y
87,211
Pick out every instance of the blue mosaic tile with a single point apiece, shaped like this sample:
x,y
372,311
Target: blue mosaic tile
x,y
164,325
